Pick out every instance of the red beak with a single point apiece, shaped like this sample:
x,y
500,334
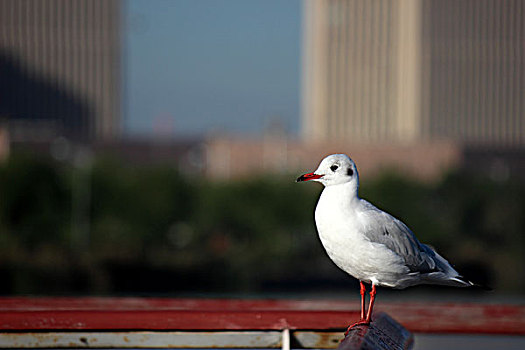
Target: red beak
x,y
308,177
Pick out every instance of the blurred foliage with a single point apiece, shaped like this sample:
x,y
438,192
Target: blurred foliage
x,y
152,230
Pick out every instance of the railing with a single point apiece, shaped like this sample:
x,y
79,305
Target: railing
x,y
227,323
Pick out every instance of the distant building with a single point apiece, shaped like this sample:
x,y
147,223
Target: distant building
x,y
60,68
229,157
409,71
234,157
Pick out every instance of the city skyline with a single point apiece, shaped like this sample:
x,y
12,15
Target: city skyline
x,y
60,69
393,71
411,71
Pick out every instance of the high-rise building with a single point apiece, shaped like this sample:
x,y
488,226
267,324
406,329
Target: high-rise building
x,y
411,70
60,68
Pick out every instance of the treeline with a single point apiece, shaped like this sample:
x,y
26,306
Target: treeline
x,y
118,229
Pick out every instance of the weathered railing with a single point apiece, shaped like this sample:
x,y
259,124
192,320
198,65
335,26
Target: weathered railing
x,y
227,323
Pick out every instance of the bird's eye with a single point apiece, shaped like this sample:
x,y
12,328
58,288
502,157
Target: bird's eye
x,y
349,172
334,167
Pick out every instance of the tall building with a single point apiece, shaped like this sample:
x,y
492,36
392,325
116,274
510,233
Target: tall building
x,y
411,70
60,68
473,71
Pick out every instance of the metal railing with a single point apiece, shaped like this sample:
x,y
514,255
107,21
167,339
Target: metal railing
x,y
226,323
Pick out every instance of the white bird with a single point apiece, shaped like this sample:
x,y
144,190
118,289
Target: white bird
x,y
368,243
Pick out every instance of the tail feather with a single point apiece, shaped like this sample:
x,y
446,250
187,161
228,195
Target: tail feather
x,y
445,279
472,284
456,281
463,281
446,274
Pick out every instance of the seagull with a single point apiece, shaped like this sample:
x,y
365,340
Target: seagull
x,y
368,243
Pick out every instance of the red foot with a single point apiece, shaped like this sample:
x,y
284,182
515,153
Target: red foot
x,y
359,323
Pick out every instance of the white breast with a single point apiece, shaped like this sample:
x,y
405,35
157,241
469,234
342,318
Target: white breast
x,y
340,226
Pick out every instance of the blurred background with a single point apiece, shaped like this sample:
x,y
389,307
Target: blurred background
x,y
151,147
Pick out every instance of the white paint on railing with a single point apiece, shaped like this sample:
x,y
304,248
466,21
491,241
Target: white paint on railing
x,y
285,339
137,340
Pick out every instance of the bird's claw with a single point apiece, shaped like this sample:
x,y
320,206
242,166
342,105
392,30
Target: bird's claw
x,y
358,323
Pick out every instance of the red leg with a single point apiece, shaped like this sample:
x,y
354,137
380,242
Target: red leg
x,y
362,291
373,293
362,320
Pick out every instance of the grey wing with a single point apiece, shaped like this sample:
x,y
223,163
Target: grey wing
x,y
396,236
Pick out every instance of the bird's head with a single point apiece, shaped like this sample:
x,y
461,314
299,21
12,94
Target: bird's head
x,y
335,169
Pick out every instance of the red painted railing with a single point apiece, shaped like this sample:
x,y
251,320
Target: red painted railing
x,y
45,314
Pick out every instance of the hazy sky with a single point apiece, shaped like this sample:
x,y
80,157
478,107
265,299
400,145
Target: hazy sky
x,y
193,66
